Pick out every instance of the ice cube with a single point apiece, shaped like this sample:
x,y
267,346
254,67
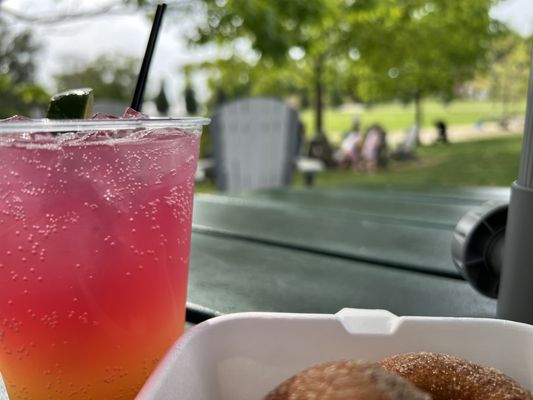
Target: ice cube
x,y
15,118
100,115
130,113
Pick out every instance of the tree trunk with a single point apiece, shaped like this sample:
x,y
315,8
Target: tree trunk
x,y
319,127
505,103
418,114
319,147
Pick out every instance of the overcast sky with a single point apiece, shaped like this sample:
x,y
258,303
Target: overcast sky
x,y
71,43
518,14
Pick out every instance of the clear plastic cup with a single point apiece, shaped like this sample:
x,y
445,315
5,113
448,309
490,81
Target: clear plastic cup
x,y
95,228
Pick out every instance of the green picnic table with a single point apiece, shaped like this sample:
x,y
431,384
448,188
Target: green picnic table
x,y
318,250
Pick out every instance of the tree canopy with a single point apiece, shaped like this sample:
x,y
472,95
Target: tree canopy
x,y
508,72
418,48
272,27
112,77
370,50
323,50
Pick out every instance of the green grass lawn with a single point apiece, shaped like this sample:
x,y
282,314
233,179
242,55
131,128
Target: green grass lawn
x,y
398,117
491,162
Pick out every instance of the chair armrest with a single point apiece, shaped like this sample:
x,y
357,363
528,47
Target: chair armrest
x,y
204,165
309,165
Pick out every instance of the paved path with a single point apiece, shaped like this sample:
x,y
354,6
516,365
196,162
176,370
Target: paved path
x,y
463,133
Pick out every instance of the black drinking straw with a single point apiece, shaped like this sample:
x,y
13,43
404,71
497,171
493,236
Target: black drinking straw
x,y
136,103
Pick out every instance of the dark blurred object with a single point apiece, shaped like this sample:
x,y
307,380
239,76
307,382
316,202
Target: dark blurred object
x,y
320,149
442,132
161,102
191,104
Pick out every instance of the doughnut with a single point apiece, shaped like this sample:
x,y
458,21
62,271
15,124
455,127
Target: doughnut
x,y
346,380
447,377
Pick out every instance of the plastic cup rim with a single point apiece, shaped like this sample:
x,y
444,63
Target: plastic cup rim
x,y
87,125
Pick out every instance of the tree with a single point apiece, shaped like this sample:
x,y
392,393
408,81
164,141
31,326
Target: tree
x,y
60,11
407,49
111,77
321,45
509,68
426,48
335,95
26,99
228,79
191,105
404,49
161,102
374,49
18,92
17,54
272,29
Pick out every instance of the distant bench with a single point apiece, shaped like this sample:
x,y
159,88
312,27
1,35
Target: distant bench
x,y
309,167
502,120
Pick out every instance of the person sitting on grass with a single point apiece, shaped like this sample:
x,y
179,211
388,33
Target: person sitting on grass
x,y
349,153
374,149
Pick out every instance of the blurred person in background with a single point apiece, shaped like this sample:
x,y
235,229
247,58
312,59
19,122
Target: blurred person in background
x,y
442,132
374,148
349,153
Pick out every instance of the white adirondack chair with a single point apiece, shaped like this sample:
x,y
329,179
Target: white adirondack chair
x,y
407,147
255,145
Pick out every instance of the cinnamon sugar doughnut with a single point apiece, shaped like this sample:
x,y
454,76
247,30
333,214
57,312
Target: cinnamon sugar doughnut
x,y
447,377
346,380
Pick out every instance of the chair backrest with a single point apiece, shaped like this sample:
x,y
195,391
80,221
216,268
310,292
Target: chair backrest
x,y
408,146
254,144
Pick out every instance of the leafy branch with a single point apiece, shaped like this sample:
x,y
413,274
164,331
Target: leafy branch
x,y
119,7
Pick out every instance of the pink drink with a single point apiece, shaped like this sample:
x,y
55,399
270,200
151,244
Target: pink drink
x,y
94,254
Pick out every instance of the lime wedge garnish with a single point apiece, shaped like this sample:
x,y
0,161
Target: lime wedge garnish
x,y
71,104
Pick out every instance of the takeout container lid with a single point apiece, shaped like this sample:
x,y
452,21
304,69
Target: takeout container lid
x,y
243,356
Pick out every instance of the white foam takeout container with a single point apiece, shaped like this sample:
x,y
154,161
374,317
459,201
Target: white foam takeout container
x,y
243,356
